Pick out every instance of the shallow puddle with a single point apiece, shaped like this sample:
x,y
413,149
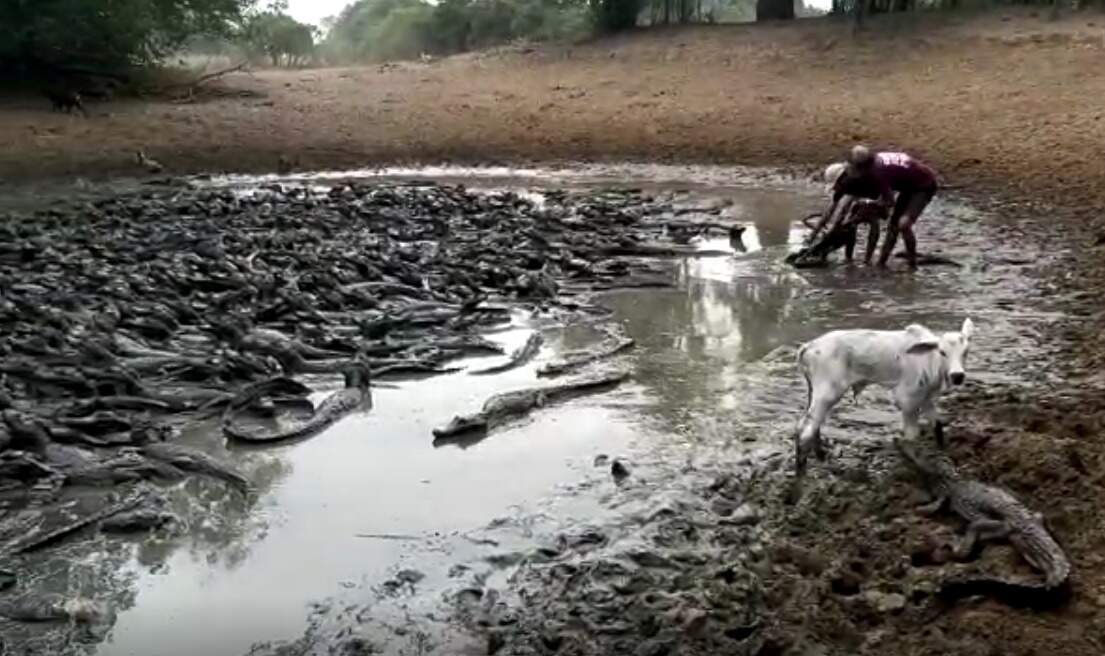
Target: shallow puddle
x,y
713,378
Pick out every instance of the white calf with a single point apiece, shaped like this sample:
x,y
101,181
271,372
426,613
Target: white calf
x,y
916,364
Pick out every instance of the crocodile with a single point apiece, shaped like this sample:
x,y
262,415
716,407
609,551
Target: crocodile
x,y
519,357
356,394
508,405
37,540
579,361
992,513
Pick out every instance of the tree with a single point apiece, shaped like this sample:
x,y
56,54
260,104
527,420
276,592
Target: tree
x,y
50,35
774,10
279,37
615,15
370,30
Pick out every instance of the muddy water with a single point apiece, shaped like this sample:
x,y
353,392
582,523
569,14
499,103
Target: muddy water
x,y
340,515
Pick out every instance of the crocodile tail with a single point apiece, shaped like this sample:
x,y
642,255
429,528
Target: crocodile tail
x,y
1019,595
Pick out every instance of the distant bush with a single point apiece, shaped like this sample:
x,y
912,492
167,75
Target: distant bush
x,y
615,15
373,30
274,36
106,35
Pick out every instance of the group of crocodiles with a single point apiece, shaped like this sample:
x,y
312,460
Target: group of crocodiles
x,y
992,513
356,394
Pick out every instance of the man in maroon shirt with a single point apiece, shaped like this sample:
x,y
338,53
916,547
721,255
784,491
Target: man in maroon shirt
x,y
851,206
915,184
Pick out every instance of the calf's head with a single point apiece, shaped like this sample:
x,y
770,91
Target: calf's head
x,y
951,348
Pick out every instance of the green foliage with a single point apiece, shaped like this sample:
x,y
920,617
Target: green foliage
x,y
105,34
369,30
615,15
280,38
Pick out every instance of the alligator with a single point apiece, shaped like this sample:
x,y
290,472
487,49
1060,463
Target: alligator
x,y
151,515
517,358
339,404
992,513
37,540
507,405
165,456
579,361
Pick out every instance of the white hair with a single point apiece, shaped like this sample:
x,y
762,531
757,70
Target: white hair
x,y
832,174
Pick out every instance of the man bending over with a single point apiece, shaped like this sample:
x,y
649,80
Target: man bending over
x,y
913,181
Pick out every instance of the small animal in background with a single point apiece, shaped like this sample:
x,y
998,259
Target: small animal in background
x,y
151,165
286,165
914,362
104,92
65,100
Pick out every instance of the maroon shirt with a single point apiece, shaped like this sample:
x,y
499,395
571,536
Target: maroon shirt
x,y
902,173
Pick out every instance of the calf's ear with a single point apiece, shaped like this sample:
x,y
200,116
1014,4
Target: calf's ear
x,y
921,339
923,347
968,328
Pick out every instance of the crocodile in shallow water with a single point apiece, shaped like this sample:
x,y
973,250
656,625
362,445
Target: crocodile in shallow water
x,y
992,513
339,404
509,405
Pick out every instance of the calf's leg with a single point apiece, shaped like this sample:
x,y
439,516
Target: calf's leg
x,y
823,396
932,414
911,406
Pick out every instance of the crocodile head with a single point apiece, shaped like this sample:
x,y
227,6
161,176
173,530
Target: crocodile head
x,y
933,465
357,375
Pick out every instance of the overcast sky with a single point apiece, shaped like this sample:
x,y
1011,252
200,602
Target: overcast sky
x,y
312,11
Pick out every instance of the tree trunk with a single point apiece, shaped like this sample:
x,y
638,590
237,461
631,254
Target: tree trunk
x,y
774,10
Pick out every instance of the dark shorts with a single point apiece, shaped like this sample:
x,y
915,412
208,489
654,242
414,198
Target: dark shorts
x,y
912,203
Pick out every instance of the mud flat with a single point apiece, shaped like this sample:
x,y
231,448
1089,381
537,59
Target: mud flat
x,y
694,542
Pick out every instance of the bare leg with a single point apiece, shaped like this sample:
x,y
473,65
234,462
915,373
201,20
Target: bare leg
x,y
872,240
915,206
906,227
889,241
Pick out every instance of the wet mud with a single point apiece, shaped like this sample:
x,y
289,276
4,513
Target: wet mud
x,y
658,517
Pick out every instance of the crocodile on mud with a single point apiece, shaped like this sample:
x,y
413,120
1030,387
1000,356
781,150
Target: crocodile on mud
x,y
992,513
38,540
519,357
503,407
580,361
356,394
